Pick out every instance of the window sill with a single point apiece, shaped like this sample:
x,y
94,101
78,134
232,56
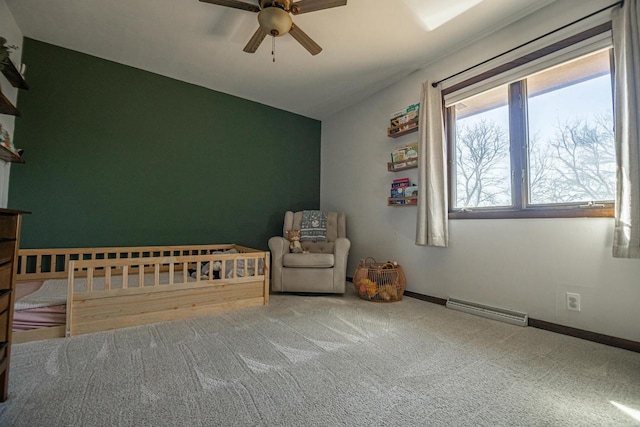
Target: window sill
x,y
605,212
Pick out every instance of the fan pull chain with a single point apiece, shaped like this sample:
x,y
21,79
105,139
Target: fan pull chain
x,y
273,48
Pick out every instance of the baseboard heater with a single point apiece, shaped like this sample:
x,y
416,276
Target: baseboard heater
x,y
508,316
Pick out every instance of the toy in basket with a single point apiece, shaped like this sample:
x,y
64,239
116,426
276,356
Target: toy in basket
x,y
379,281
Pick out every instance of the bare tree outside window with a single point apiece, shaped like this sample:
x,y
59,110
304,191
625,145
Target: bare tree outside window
x,y
482,159
577,165
571,145
482,162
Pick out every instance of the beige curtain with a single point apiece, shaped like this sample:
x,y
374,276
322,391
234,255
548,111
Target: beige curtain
x,y
433,222
626,46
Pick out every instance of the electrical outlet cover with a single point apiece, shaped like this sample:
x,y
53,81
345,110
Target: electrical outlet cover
x,y
573,301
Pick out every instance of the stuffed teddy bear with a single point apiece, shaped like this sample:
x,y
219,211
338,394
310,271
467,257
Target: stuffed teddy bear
x,y
388,292
294,241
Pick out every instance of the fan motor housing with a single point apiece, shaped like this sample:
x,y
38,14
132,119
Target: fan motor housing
x,y
282,4
275,21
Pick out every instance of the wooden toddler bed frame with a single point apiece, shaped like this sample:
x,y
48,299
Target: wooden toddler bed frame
x,y
96,301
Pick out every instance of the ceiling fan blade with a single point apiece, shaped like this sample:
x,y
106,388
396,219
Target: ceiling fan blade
x,y
234,4
306,6
255,41
305,40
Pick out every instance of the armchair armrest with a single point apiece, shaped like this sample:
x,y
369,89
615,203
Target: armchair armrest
x,y
278,247
341,255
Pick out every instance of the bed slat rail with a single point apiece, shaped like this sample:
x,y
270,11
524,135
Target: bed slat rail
x,y
245,263
99,303
42,264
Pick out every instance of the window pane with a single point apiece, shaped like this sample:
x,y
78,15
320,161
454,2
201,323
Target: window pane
x,y
482,168
571,146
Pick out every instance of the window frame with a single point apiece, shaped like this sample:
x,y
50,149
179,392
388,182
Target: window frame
x,y
518,133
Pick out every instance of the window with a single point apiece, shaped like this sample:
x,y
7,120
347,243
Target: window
x,y
483,165
542,146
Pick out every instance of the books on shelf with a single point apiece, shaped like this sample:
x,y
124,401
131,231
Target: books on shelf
x,y
413,124
397,190
401,189
404,120
402,192
406,115
405,156
400,182
411,191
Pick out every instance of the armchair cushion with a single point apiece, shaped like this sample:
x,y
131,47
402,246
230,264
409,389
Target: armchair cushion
x,y
318,247
308,260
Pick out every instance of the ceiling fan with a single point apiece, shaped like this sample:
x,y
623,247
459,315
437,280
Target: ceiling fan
x,y
274,17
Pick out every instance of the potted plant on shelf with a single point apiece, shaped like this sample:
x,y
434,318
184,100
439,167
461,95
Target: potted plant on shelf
x,y
4,52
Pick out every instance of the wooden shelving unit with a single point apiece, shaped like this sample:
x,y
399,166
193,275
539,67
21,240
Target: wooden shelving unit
x,y
13,75
391,166
9,156
408,201
403,129
6,107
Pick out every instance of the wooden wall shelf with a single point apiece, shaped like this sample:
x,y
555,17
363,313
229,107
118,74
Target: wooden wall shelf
x,y
6,107
408,201
13,75
9,156
403,129
392,166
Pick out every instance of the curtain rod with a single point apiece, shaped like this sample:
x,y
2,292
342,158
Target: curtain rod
x,y
620,3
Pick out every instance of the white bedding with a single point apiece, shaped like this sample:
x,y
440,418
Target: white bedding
x,y
217,266
52,292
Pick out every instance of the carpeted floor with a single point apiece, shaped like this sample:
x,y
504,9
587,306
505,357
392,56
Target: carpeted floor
x,y
323,361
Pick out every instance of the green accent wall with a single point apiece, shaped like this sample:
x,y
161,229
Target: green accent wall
x,y
117,156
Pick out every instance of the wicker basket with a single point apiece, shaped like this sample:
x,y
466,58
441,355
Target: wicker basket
x,y
379,282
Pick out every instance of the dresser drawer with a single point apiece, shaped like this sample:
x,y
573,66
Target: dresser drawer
x,y
6,250
8,224
4,320
4,301
5,275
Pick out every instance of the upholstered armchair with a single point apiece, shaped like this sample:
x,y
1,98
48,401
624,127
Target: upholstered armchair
x,y
322,270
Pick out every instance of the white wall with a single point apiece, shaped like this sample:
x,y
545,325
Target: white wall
x,y
10,31
521,264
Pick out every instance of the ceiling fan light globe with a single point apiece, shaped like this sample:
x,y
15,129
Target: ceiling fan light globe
x,y
275,21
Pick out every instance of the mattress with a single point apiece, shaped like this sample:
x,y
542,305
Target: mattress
x,y
43,304
54,291
41,317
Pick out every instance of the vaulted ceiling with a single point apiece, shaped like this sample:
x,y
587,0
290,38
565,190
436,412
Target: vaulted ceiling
x,y
367,44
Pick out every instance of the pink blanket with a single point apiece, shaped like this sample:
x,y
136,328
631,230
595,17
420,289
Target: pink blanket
x,y
37,317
